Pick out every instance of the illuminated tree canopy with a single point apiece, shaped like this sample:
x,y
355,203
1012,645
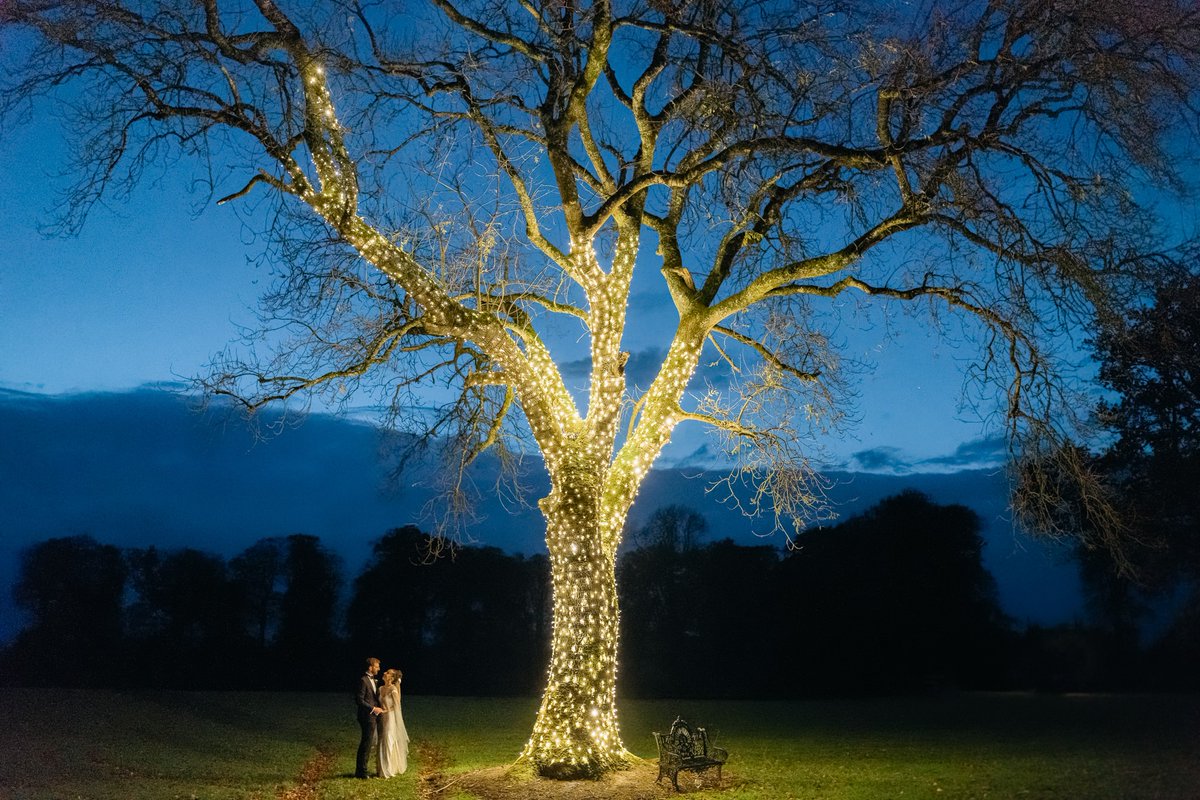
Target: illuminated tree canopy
x,y
450,186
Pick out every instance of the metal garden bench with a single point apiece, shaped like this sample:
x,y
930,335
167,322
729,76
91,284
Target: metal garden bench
x,y
684,748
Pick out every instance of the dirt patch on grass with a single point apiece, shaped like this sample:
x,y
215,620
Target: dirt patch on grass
x,y
503,783
432,778
519,783
316,768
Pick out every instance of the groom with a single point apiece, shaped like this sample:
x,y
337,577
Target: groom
x,y
367,701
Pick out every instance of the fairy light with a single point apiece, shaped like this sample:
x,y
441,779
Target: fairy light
x,y
576,732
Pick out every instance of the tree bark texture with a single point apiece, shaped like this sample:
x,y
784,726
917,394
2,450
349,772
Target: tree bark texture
x,y
576,734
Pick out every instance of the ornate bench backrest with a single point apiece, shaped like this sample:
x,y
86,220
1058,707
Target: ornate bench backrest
x,y
683,741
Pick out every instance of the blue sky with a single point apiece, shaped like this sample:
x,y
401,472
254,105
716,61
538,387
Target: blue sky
x,y
144,294
155,285
158,282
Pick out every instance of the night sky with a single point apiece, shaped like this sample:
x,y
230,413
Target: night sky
x,y
158,281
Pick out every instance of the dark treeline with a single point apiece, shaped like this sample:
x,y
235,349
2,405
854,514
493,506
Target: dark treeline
x,y
895,600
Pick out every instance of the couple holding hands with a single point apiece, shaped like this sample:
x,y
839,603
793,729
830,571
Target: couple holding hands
x,y
381,722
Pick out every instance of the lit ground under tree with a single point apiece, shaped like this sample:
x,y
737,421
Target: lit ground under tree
x,y
454,189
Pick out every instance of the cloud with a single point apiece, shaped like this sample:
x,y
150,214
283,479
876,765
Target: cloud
x,y
988,453
886,460
703,457
975,454
578,369
144,467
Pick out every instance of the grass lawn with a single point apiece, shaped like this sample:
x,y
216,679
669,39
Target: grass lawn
x,y
106,745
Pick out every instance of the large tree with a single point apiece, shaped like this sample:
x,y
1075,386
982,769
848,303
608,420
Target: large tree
x,y
453,186
1151,366
72,588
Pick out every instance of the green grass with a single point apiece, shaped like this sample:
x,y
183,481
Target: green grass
x,y
158,745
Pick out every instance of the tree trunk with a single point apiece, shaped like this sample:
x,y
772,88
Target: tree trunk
x,y
576,733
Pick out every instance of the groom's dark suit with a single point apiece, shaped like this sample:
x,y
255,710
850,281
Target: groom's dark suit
x,y
366,698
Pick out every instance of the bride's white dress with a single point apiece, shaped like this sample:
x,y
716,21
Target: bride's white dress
x,y
393,737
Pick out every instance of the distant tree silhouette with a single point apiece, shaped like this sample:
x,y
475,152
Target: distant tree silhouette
x,y
258,577
695,623
188,634
390,610
491,637
1151,366
73,589
895,599
673,528
472,622
1116,607
190,590
308,613
659,586
737,622
145,617
179,618
1060,658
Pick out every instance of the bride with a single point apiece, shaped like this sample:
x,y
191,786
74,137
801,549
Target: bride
x,y
393,737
